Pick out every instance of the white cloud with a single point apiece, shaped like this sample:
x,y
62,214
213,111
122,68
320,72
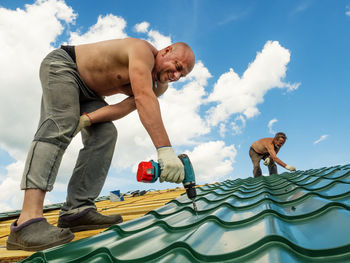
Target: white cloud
x,y
322,138
142,27
10,194
348,10
234,17
271,123
158,40
238,124
199,73
300,8
180,113
242,95
222,129
180,108
107,27
24,41
212,161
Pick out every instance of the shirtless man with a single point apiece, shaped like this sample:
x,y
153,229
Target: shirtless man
x,y
75,81
267,149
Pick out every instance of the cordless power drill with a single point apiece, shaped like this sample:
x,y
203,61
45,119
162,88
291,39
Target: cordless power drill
x,y
149,172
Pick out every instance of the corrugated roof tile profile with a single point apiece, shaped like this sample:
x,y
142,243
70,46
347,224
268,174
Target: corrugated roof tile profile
x,y
135,204
292,217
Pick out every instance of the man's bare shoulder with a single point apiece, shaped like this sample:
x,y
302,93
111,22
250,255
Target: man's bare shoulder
x,y
262,143
261,146
120,46
139,46
140,53
266,140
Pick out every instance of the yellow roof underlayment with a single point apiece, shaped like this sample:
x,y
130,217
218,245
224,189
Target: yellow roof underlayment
x,y
130,208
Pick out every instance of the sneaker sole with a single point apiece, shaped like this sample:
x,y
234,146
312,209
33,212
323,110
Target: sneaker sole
x,y
15,246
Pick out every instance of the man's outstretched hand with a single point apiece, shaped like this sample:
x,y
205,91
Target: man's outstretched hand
x,y
172,169
84,121
290,167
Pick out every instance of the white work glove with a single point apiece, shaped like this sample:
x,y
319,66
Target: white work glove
x,y
84,121
267,161
290,167
171,167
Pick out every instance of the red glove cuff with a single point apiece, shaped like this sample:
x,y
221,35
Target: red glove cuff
x,y
84,113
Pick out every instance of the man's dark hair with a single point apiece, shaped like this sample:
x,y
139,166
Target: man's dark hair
x,y
281,135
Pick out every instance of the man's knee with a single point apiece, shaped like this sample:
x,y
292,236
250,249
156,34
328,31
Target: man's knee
x,y
257,171
57,132
48,128
272,168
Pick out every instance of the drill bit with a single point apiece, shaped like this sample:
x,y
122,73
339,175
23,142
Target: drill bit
x,y
195,207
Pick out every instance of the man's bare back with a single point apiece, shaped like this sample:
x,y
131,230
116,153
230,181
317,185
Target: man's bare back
x,y
104,66
261,146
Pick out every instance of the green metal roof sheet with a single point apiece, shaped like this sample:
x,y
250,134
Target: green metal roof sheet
x,y
292,217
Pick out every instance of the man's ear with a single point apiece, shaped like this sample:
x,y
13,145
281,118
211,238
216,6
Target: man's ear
x,y
167,50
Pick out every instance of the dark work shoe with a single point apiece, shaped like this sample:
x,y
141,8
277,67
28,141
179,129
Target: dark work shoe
x,y
88,219
36,234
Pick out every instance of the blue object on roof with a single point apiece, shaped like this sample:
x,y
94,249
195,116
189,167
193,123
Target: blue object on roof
x,y
116,196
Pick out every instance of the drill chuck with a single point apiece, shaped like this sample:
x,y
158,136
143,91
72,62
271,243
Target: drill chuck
x,y
191,190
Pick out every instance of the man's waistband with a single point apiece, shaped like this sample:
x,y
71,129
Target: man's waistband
x,y
70,50
263,154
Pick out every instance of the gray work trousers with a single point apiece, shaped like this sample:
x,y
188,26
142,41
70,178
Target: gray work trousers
x,y
256,158
65,97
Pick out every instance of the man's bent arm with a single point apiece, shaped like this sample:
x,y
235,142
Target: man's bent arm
x,y
121,109
274,157
113,112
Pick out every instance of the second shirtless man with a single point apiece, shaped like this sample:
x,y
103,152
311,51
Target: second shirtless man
x,y
266,149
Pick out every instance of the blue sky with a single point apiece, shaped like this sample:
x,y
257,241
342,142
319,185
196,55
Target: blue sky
x,y
258,62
